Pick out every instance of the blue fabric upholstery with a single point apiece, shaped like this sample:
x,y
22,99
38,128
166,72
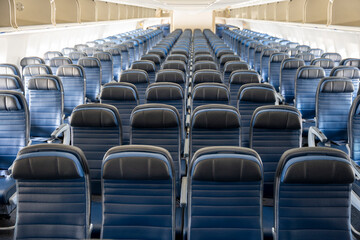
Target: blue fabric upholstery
x,y
307,57
75,56
209,93
257,57
288,72
117,58
139,78
95,128
250,97
239,78
264,62
46,105
51,54
273,130
53,193
31,61
11,82
92,69
325,63
106,60
307,78
274,68
312,201
352,73
225,194
354,131
9,69
147,66
56,62
73,81
32,70
336,57
138,194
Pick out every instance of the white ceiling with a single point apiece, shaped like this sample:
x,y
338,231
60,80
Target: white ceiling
x,y
193,4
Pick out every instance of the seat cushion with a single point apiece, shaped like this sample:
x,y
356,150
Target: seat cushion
x,y
7,189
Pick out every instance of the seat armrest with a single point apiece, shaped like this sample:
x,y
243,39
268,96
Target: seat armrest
x,y
279,98
186,148
356,169
187,120
189,91
188,104
315,132
183,194
63,128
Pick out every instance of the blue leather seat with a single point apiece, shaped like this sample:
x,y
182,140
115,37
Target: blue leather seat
x,y
303,48
53,193
257,57
33,70
106,61
317,52
14,135
250,97
292,52
139,78
206,76
354,132
67,50
175,64
225,194
9,69
153,58
312,201
307,57
352,73
275,61
56,62
209,93
350,62
288,72
239,78
73,81
227,58
117,58
158,125
203,57
212,125
233,66
95,128
173,76
264,62
273,130
147,66
75,56
93,73
138,193
251,53
336,57
51,54
11,82
30,61
125,63
202,65
125,98
325,63
46,106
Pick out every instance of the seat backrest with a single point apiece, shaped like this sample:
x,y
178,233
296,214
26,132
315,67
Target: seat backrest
x,y
292,44
231,66
264,62
212,172
206,76
250,97
53,190
307,77
203,57
158,125
333,98
354,131
33,70
15,122
177,57
117,58
352,73
126,172
144,65
75,56
239,78
303,48
152,57
222,52
125,98
325,63
288,72
90,51
93,73
81,47
175,64
350,62
312,174
316,51
56,62
274,130
73,81
274,68
307,57
9,69
30,61
200,65
106,61
66,51
228,57
257,56
46,105
336,57
51,54
213,124
95,128
11,82
292,52
139,78
209,93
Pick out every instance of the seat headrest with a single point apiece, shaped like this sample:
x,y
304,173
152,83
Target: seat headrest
x,y
70,71
211,92
158,52
260,48
89,62
278,57
50,162
180,57
351,62
207,75
323,62
103,56
10,102
345,72
223,52
229,57
45,82
170,75
36,69
152,57
315,165
121,91
58,61
31,60
226,164
203,57
215,116
145,65
257,92
134,76
114,51
231,66
138,162
303,47
205,65
51,54
174,64
9,69
305,56
336,85
164,91
155,116
277,117
95,115
77,55
268,51
336,57
244,77
11,82
292,63
310,72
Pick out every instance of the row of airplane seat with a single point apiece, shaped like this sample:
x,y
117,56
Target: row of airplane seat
x,y
183,136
